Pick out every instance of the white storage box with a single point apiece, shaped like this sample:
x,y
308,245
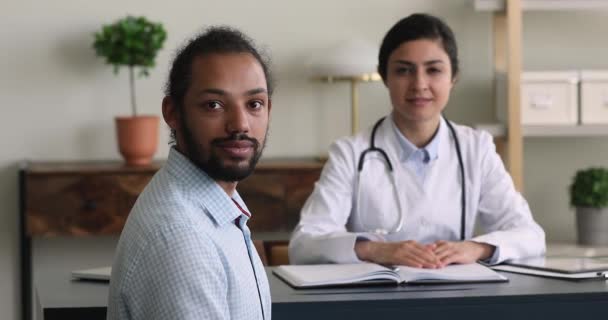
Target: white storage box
x,y
594,96
547,98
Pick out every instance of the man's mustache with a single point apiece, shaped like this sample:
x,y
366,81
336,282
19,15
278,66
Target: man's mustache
x,y
236,137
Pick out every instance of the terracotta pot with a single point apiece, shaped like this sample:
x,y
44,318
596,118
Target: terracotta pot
x,y
137,138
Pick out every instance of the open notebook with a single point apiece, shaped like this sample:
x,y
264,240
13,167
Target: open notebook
x,y
93,274
323,275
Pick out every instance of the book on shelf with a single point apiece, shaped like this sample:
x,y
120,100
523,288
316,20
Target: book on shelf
x,y
326,275
561,267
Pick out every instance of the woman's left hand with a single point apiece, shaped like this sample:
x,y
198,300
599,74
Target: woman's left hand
x,y
463,252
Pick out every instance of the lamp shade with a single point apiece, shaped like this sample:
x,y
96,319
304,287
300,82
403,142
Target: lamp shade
x,y
347,59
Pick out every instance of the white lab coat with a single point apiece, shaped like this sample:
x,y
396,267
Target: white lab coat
x,y
330,224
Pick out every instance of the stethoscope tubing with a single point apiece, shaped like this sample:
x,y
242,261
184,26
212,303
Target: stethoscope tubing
x,y
382,152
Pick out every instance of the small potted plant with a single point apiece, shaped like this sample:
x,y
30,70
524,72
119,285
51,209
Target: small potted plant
x,y
589,194
133,42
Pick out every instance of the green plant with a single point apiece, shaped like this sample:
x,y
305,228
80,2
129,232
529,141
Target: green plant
x,y
590,188
132,42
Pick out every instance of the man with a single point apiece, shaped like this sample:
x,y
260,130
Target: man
x,y
186,251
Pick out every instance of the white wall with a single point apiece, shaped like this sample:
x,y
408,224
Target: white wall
x,y
59,100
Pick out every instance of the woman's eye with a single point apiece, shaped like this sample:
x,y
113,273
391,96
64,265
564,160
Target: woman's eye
x,y
434,70
403,70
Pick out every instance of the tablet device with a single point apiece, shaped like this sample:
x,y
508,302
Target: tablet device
x,y
560,264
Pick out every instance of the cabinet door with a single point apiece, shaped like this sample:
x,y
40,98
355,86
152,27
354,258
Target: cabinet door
x,y
275,196
299,187
264,195
73,204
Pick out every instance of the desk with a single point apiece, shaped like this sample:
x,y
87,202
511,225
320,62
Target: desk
x,y
524,297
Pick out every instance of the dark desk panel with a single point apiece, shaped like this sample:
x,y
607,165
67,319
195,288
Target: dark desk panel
x,y
524,297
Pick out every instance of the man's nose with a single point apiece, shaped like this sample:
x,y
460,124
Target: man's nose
x,y
237,120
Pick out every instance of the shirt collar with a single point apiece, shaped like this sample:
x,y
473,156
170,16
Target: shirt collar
x,y
407,148
202,189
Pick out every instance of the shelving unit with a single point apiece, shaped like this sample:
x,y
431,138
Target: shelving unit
x,y
545,5
507,46
499,131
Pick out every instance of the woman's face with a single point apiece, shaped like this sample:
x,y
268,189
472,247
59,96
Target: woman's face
x,y
419,80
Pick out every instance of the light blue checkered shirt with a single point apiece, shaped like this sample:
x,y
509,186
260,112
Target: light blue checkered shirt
x,y
181,255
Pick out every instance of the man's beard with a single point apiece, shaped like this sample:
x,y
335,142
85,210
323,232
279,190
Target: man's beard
x,y
213,166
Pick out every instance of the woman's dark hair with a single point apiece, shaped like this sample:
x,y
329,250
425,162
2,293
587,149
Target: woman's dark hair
x,y
220,39
414,27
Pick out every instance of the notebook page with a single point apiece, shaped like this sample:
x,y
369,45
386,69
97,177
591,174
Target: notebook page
x,y
309,275
454,272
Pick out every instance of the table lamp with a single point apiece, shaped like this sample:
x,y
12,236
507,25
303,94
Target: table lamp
x,y
354,61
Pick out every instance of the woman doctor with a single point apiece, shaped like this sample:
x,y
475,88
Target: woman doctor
x,y
405,202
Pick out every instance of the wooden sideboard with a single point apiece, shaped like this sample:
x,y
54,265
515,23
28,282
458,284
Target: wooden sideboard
x,y
80,198
94,198
276,192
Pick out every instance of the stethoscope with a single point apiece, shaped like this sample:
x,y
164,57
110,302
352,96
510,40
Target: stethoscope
x,y
399,225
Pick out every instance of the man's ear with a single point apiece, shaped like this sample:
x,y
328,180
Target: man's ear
x,y
269,105
171,113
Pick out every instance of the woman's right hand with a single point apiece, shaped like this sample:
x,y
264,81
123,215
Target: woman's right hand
x,y
405,253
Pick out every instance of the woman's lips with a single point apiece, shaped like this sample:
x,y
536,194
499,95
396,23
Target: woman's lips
x,y
419,102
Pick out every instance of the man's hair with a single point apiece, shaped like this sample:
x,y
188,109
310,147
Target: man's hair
x,y
414,27
214,40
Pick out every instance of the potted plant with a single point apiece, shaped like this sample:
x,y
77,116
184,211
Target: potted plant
x,y
133,42
589,194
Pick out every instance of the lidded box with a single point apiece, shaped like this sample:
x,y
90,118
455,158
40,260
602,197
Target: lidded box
x,y
546,97
594,96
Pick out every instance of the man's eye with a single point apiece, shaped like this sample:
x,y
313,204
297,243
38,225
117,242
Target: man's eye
x,y
256,105
214,105
434,70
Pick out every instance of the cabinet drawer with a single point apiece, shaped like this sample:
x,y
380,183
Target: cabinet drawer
x,y
594,96
74,204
